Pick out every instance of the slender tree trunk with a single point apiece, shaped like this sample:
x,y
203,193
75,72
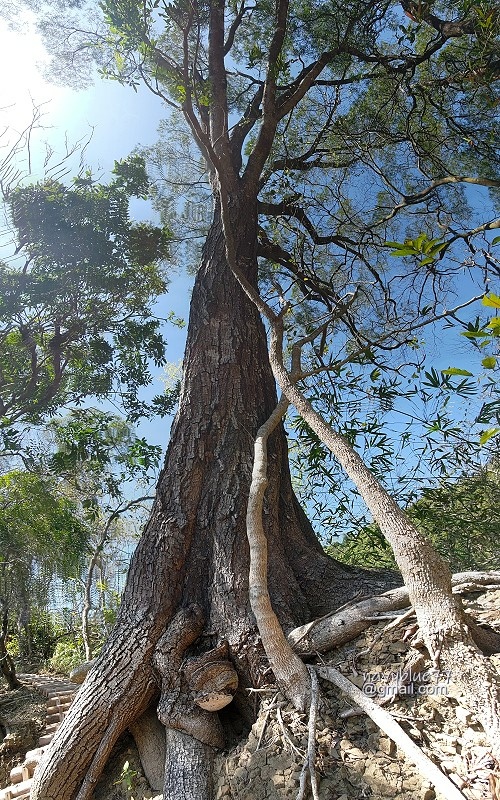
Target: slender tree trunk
x,y
194,548
426,575
7,666
87,607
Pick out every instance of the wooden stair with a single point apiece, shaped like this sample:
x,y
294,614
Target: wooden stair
x,y
60,694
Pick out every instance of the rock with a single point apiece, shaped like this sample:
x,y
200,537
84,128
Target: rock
x,y
356,753
463,715
240,774
79,674
397,647
387,746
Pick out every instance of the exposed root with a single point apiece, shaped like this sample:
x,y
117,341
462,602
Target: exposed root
x,y
333,630
98,762
289,670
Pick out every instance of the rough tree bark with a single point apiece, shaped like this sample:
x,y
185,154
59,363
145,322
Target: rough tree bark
x,y
194,547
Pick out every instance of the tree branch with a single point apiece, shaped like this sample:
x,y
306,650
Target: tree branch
x,y
270,118
234,27
288,668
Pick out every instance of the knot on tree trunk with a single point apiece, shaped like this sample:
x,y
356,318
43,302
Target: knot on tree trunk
x,y
211,678
193,688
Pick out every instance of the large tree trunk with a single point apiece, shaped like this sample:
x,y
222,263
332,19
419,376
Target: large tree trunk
x,y
194,548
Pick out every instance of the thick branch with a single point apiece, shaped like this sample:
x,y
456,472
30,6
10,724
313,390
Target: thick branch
x,y
241,130
447,28
287,209
218,79
270,117
234,27
333,630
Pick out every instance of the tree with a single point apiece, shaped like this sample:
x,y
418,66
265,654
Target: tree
x,y
41,538
108,471
57,521
75,312
315,108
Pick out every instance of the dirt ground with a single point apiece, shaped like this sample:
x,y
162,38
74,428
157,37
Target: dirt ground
x,y
354,759
22,721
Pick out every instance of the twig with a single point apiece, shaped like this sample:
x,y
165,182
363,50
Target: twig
x,y
311,741
264,725
303,778
401,618
287,736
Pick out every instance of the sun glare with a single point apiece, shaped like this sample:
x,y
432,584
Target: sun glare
x,y
22,56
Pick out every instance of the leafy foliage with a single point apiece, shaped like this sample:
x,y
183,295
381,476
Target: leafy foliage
x,y
75,309
67,655
100,453
461,518
42,539
39,529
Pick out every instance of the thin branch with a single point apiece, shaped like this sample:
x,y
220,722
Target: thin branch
x,y
416,198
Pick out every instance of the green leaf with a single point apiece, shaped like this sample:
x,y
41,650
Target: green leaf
x,y
491,300
474,334
403,251
488,434
456,371
489,362
494,323
436,248
495,241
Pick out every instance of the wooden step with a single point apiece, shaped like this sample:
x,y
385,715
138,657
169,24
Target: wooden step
x,y
45,739
34,756
17,791
52,727
60,703
19,774
54,689
60,695
55,717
